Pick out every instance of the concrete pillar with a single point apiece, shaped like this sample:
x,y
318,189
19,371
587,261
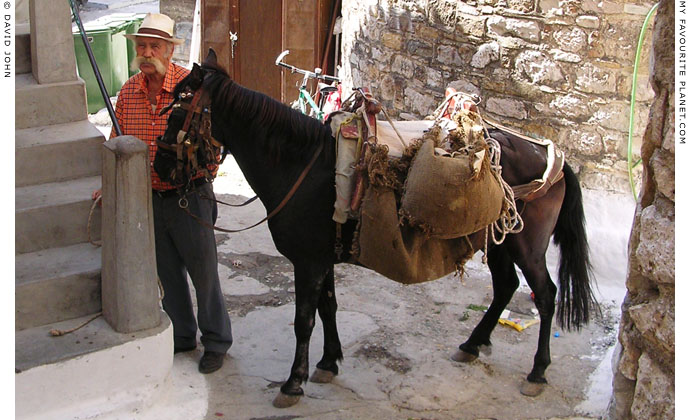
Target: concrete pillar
x,y
130,295
52,47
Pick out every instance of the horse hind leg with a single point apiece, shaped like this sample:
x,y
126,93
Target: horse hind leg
x,y
327,368
538,278
505,282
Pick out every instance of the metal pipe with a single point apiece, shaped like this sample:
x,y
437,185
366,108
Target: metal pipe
x,y
96,71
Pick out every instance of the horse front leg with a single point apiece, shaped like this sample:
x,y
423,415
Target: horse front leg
x,y
538,278
309,281
505,281
327,367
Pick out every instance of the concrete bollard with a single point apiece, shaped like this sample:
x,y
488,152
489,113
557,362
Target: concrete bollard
x,y
129,277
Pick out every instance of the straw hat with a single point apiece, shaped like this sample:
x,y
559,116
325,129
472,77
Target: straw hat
x,y
156,25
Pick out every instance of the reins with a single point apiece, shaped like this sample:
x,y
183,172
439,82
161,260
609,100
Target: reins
x,y
275,211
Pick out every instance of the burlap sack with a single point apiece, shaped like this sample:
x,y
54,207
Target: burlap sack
x,y
449,197
400,252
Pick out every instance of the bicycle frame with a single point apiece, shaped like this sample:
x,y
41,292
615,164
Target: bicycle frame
x,y
305,98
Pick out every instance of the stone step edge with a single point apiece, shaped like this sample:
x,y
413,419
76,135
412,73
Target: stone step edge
x,y
56,193
127,373
59,262
55,134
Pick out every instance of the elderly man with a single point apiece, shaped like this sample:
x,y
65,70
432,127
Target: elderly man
x,y
182,244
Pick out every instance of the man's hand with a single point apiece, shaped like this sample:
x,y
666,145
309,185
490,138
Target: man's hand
x,y
96,195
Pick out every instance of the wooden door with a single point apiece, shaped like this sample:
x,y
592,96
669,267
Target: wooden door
x,y
257,24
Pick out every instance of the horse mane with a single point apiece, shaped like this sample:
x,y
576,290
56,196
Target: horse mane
x,y
285,133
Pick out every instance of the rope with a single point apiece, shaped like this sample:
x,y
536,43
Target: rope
x,y
394,129
510,220
88,224
58,333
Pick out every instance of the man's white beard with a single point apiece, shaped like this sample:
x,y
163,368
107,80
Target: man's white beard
x,y
139,60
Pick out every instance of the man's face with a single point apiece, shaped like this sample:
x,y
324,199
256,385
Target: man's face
x,y
153,55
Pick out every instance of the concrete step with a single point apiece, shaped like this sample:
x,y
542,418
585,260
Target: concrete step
x,y
55,214
65,151
57,284
22,48
94,372
46,104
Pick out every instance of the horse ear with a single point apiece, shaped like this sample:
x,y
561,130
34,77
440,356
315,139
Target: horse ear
x,y
196,71
196,76
211,58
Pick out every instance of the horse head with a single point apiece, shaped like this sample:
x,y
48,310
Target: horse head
x,y
188,147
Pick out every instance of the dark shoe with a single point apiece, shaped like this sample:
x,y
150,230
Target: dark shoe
x,y
211,361
184,349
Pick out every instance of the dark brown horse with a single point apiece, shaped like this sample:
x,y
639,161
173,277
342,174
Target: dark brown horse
x,y
272,144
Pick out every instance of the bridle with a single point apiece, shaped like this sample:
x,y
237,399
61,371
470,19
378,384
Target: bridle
x,y
195,132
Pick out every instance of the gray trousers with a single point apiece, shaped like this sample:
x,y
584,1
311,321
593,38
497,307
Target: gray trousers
x,y
183,245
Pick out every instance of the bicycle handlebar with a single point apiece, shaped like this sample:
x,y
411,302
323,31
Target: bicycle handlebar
x,y
310,74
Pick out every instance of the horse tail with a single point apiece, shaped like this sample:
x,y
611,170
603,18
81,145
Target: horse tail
x,y
576,299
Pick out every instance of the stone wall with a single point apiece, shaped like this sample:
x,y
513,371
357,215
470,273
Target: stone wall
x,y
555,69
644,385
182,12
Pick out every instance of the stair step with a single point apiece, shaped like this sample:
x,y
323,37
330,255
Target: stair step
x,y
22,37
65,151
46,104
94,372
57,284
54,215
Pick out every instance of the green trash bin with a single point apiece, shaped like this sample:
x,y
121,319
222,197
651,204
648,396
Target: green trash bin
x,y
131,22
109,48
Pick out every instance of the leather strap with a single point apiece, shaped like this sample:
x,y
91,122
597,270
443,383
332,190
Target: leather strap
x,y
278,208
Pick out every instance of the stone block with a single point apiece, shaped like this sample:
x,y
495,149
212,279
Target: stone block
x,y
654,392
466,86
507,107
52,47
538,68
403,66
566,57
590,22
593,79
486,53
571,39
392,40
447,54
656,251
586,142
524,6
605,7
522,28
571,106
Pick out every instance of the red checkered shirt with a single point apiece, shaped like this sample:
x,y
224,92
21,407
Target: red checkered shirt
x,y
136,118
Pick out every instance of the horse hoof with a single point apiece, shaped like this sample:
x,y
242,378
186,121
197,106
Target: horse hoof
x,y
532,389
463,357
284,401
321,376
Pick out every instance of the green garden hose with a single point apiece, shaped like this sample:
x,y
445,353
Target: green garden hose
x,y
632,99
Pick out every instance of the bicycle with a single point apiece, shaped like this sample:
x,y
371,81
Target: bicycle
x,y
328,95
